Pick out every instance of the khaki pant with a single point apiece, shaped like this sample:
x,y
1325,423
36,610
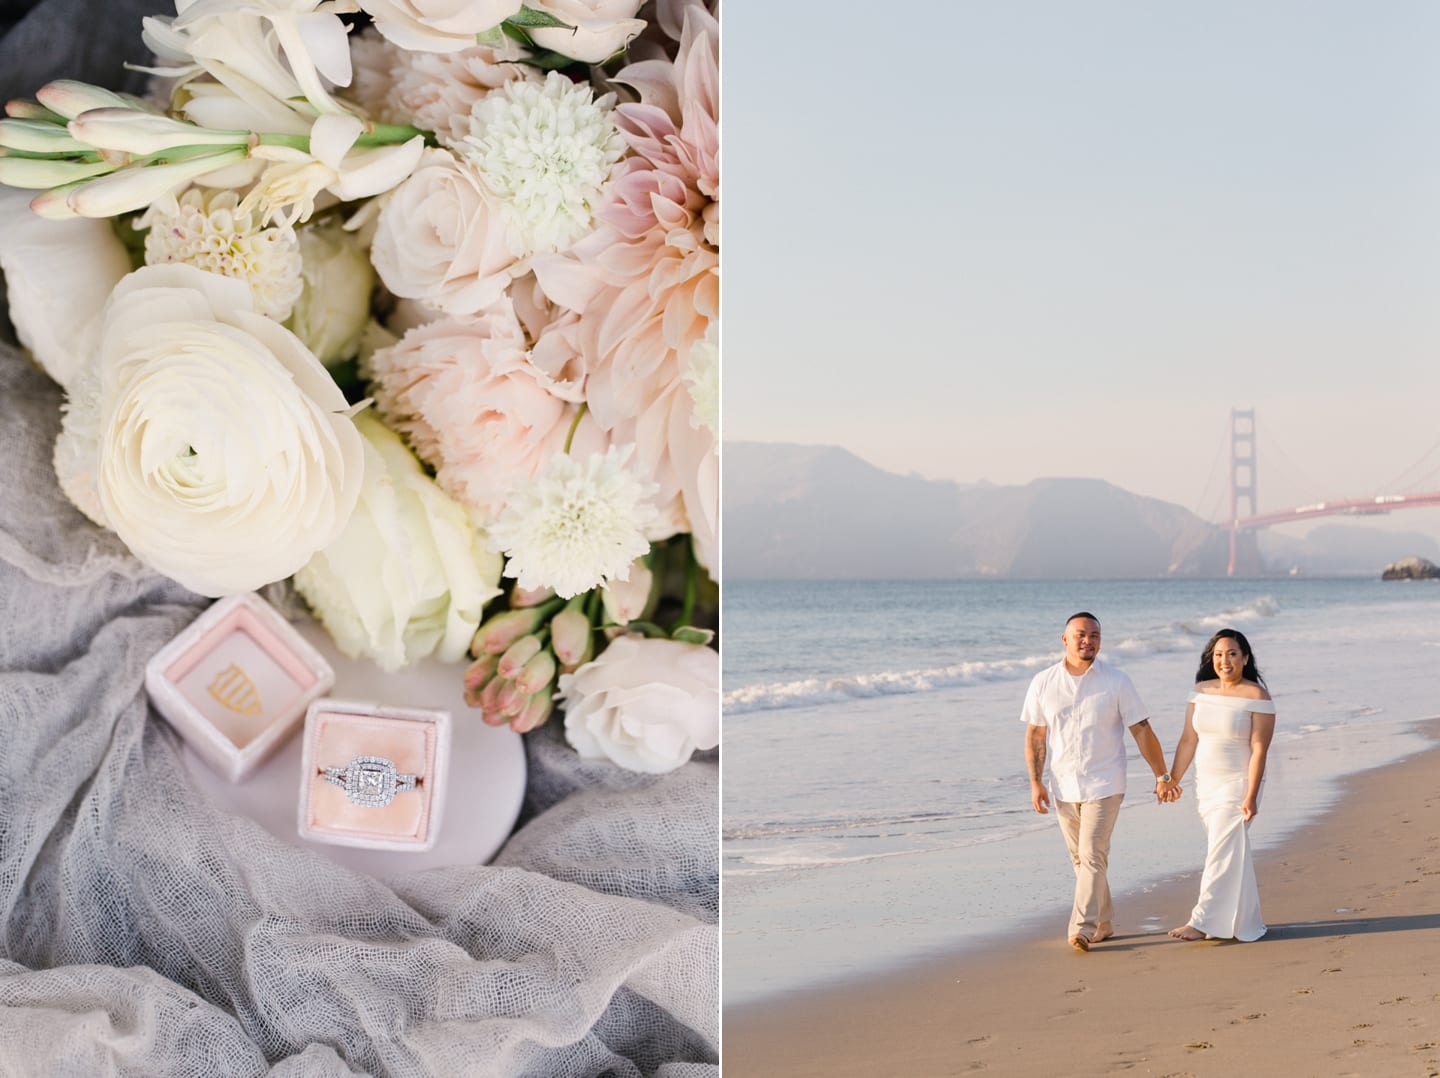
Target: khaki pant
x,y
1086,826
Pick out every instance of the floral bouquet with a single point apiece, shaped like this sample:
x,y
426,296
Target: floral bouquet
x,y
413,303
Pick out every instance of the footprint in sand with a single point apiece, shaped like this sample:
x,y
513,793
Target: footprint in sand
x,y
1247,1018
1199,1044
1428,1046
1304,991
1333,969
979,1040
1077,990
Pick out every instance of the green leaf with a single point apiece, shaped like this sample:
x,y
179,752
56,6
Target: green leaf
x,y
529,18
648,628
132,238
689,634
493,37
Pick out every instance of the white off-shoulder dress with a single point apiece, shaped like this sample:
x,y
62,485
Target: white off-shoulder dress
x,y
1229,904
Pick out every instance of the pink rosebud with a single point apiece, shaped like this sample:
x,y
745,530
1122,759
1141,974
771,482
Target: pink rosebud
x,y
626,600
509,700
490,698
525,597
571,637
502,630
537,710
517,655
536,673
479,672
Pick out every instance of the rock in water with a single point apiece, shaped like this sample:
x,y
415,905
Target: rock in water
x,y
1411,569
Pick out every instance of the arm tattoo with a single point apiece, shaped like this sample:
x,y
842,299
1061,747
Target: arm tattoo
x,y
1037,761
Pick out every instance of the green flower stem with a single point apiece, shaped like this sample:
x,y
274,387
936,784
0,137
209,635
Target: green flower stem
x,y
374,135
575,425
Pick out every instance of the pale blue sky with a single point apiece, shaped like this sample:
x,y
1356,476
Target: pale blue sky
x,y
995,241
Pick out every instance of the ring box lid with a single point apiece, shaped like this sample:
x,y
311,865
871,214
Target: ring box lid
x,y
236,682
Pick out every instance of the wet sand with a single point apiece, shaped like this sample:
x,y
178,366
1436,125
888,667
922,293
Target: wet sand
x,y
1346,982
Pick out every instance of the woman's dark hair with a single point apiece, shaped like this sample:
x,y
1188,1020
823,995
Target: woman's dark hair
x,y
1207,665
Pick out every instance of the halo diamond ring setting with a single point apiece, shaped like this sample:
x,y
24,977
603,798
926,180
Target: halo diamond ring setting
x,y
370,781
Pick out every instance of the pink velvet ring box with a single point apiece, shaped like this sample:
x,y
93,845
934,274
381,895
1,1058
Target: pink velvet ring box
x,y
364,741
236,682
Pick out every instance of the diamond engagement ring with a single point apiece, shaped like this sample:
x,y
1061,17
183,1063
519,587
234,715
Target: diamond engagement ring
x,y
370,781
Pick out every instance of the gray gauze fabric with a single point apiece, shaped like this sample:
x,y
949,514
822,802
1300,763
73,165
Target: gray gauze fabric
x,y
147,933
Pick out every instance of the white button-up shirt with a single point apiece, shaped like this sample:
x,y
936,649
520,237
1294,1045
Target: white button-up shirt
x,y
1087,717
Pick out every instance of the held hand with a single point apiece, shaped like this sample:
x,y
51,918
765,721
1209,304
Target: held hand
x,y
1167,792
1040,798
1248,809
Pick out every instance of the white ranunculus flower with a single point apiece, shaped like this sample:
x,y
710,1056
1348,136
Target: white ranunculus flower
x,y
57,277
221,451
334,305
645,704
601,28
409,576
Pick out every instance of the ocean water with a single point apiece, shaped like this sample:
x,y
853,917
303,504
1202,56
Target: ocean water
x,y
875,805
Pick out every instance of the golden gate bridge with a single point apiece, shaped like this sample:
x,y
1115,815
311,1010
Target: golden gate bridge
x,y
1242,489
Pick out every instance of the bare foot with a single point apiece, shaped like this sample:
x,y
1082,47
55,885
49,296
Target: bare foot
x,y
1185,932
1103,932
1080,943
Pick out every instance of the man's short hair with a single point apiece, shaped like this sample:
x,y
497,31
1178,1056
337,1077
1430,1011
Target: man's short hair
x,y
1081,614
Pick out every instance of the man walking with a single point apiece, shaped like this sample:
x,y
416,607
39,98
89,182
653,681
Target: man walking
x,y
1085,705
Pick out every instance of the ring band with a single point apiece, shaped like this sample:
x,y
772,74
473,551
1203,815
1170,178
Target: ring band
x,y
370,781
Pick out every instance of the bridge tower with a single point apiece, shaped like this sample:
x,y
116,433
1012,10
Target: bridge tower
x,y
1242,472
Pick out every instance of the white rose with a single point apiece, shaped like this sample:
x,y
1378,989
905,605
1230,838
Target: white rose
x,y
409,576
646,704
437,25
334,305
442,239
57,277
220,450
601,27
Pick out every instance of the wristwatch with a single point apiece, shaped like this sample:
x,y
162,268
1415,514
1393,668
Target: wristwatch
x,y
1163,778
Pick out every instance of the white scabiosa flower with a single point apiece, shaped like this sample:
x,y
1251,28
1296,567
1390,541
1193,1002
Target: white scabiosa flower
x,y
702,379
547,150
577,525
210,231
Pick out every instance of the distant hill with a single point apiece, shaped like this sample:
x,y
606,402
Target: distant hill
x,y
821,512
817,512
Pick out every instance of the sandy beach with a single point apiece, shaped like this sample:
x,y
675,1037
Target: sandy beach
x,y
1346,982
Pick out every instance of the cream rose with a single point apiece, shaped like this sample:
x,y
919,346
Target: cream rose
x,y
409,575
334,305
437,25
646,704
442,239
219,449
601,28
57,277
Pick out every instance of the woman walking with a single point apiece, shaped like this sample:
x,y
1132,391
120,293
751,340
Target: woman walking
x,y
1228,727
